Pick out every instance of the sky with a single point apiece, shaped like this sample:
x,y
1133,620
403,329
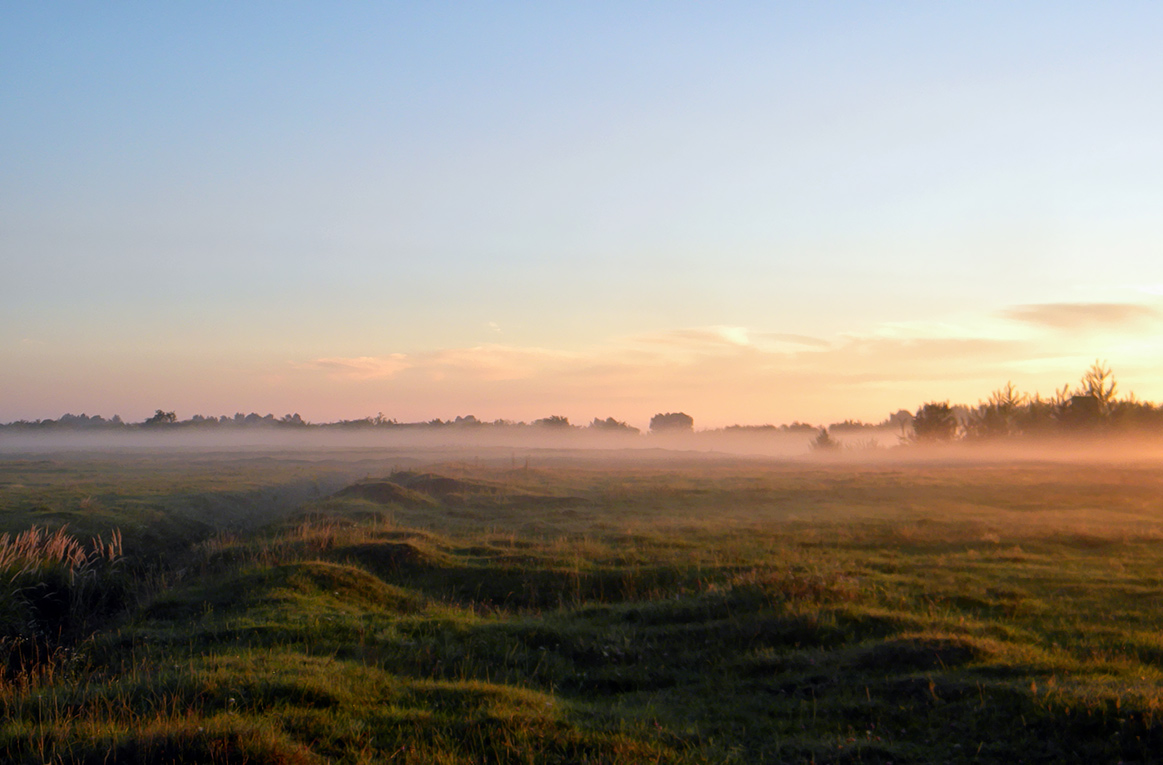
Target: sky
x,y
750,212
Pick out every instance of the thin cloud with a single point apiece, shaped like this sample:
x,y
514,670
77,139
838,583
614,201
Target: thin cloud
x,y
1075,316
723,337
699,338
793,339
688,357
491,362
361,367
484,362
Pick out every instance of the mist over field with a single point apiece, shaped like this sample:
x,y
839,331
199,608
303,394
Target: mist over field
x,y
517,447
451,440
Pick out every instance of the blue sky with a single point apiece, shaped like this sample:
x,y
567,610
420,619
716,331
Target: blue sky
x,y
753,212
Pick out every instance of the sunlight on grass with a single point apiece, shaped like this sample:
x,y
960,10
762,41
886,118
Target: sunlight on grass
x,y
733,614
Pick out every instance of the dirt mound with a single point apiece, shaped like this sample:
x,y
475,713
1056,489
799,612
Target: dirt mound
x,y
385,493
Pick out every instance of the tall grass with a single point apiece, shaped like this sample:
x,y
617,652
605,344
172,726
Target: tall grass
x,y
54,589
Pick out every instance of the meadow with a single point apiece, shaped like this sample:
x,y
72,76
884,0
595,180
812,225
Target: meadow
x,y
364,605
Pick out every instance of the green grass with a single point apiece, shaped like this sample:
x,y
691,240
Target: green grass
x,y
723,612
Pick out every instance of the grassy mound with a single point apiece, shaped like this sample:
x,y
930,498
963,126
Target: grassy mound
x,y
386,493
921,653
473,492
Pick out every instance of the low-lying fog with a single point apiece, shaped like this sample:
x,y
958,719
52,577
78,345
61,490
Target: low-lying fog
x,y
869,446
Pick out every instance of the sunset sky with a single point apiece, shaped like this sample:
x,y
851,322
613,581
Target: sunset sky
x,y
750,212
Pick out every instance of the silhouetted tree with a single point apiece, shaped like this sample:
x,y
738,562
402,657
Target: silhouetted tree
x,y
997,417
672,422
1131,414
553,421
161,417
1089,405
1098,382
898,419
934,422
610,425
824,442
850,426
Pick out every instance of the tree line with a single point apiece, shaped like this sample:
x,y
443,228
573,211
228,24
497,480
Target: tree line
x,y
168,420
1093,406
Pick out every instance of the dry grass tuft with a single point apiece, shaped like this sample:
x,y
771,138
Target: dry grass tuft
x,y
53,591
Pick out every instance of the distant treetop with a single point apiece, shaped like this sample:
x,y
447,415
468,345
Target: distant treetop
x,y
161,417
610,425
672,422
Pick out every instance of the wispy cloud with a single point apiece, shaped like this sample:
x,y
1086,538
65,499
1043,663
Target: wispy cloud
x,y
492,362
360,367
736,374
793,339
1082,316
668,359
728,338
483,362
697,338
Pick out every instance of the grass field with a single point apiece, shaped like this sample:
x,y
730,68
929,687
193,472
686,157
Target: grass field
x,y
369,606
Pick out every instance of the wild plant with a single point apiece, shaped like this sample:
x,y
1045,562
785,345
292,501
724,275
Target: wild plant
x,y
54,588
